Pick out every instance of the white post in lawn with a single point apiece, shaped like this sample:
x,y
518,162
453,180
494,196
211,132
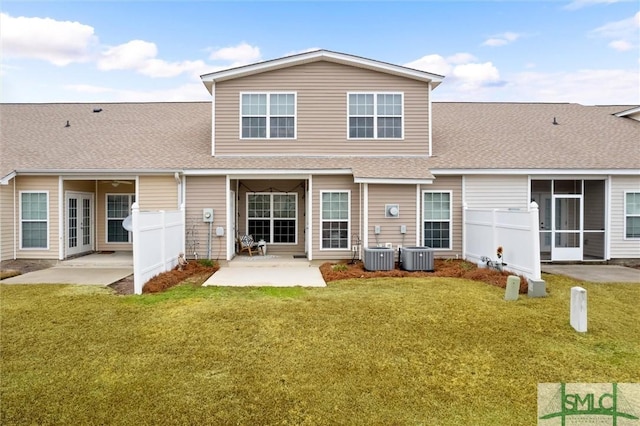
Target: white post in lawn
x,y
578,311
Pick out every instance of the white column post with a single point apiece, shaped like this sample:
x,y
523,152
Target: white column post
x,y
535,234
137,268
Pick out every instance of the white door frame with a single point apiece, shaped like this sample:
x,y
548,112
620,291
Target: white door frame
x,y
566,253
79,224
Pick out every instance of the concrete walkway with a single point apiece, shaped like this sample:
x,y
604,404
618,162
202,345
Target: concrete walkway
x,y
267,271
595,273
93,269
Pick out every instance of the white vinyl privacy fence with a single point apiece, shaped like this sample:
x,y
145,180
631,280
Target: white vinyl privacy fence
x,y
516,231
158,239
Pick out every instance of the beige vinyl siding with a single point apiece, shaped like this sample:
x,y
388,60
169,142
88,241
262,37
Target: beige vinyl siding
x,y
496,191
379,197
622,248
443,184
321,120
334,183
205,192
158,193
88,186
47,184
276,186
7,221
105,189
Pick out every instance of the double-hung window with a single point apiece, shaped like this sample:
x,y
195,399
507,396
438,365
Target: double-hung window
x,y
632,214
335,219
272,217
437,219
34,220
268,115
118,208
375,115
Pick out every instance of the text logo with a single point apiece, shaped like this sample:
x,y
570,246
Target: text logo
x,y
616,404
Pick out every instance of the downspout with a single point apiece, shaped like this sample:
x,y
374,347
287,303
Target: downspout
x,y
60,219
464,217
418,219
365,237
15,221
309,233
429,113
176,176
213,119
360,221
607,220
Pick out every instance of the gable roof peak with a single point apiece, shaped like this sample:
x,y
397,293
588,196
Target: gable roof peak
x,y
319,55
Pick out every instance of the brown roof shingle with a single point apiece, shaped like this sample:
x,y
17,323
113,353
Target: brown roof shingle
x,y
177,136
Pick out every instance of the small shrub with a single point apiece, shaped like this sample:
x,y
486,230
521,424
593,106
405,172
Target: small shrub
x,y
207,262
339,267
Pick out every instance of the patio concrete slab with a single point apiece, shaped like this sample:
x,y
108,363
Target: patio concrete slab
x,y
595,273
72,275
266,276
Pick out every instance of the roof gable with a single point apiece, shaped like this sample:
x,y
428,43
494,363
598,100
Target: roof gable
x,y
319,55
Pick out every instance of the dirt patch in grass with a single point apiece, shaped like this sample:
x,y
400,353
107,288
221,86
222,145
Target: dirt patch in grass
x,y
443,268
171,278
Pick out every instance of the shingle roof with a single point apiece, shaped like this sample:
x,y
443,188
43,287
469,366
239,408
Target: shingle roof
x,y
522,135
177,136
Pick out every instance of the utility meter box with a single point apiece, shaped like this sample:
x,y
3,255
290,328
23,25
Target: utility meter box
x,y
207,215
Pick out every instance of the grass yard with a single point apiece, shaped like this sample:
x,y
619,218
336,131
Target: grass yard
x,y
402,351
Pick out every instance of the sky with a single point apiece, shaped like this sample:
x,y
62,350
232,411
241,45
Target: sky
x,y
579,51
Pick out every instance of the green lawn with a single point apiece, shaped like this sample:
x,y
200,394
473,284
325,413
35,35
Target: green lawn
x,y
405,351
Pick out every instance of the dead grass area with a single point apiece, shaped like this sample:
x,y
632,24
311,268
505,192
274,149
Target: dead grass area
x,y
193,270
443,268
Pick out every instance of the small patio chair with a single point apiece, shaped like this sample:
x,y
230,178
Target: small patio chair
x,y
248,244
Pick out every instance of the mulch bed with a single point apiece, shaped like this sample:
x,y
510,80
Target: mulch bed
x,y
443,268
171,278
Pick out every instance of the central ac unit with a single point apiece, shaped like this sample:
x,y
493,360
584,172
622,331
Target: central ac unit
x,y
378,259
417,259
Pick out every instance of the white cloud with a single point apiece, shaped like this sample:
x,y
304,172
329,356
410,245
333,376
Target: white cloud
x,y
501,39
88,88
587,87
621,45
624,28
463,71
57,42
241,54
579,4
435,64
624,32
475,76
140,56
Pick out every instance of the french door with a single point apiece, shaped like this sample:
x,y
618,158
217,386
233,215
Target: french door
x,y
79,223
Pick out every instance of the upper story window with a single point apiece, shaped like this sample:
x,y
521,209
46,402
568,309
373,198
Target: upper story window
x,y
268,115
375,115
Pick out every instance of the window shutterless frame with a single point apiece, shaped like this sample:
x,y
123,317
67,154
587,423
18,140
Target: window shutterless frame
x,y
440,213
335,220
380,110
34,220
276,213
113,219
268,115
631,215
